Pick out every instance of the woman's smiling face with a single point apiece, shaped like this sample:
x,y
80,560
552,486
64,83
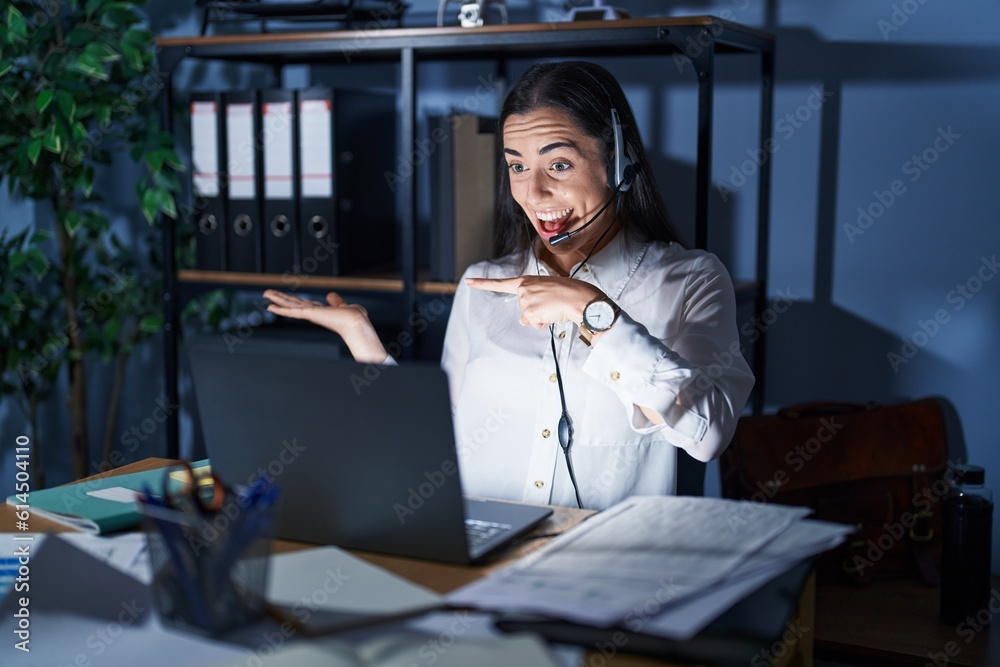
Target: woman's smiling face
x,y
559,178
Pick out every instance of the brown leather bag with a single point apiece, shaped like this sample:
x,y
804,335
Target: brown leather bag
x,y
878,467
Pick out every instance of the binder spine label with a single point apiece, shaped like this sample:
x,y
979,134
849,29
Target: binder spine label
x,y
205,157
317,148
277,140
240,131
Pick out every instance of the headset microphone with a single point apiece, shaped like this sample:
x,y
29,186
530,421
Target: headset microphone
x,y
621,187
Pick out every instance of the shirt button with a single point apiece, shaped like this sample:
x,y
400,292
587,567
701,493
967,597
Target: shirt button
x,y
546,433
562,334
539,484
552,378
616,376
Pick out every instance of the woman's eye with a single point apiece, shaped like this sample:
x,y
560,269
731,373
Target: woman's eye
x,y
516,168
560,166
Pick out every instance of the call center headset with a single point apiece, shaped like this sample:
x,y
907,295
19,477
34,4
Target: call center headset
x,y
621,173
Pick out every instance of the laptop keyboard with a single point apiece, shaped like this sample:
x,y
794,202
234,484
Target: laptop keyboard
x,y
479,532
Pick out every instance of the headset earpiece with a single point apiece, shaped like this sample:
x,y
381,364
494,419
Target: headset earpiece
x,y
621,173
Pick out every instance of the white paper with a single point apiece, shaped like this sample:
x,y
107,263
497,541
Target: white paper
x,y
205,149
116,494
658,547
330,579
402,650
687,618
240,150
125,552
316,148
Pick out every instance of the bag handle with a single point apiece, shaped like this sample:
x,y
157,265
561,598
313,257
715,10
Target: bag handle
x,y
817,408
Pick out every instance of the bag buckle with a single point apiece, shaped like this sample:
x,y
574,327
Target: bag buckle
x,y
926,533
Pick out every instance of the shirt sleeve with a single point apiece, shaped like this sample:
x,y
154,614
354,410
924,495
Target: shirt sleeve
x,y
455,355
698,383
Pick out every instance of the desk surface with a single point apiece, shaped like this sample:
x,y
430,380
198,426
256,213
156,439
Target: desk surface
x,y
897,621
443,578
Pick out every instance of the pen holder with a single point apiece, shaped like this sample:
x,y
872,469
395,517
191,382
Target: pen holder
x,y
209,569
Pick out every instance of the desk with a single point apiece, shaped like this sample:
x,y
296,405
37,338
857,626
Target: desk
x,y
896,622
443,578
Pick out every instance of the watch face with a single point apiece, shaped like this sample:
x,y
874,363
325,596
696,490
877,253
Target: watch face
x,y
599,316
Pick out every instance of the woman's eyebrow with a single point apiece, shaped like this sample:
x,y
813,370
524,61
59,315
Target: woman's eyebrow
x,y
546,149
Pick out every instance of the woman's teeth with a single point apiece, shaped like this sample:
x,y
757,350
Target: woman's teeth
x,y
553,220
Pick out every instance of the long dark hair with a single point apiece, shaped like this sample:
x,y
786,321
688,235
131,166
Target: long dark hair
x,y
575,87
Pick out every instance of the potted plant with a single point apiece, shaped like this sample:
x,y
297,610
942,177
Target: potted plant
x,y
79,84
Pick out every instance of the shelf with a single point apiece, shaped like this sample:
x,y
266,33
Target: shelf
x,y
522,39
697,39
346,283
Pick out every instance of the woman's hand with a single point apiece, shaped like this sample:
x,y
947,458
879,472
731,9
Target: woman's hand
x,y
544,300
348,320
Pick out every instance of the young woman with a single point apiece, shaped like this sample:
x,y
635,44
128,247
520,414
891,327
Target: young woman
x,y
595,345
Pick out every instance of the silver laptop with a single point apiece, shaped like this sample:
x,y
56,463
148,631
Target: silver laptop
x,y
365,455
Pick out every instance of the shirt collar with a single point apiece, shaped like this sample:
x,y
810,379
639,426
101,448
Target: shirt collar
x,y
612,266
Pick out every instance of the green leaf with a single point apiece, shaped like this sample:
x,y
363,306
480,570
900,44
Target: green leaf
x,y
149,202
88,65
6,67
72,222
111,328
132,56
102,52
168,206
151,323
34,150
67,104
15,22
92,6
43,100
38,262
52,141
40,236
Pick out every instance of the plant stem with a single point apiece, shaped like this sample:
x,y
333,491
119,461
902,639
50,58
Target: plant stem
x,y
113,406
76,400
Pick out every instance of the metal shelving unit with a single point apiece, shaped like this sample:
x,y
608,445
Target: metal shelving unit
x,y
698,39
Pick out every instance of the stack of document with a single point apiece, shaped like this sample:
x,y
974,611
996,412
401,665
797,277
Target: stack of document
x,y
664,566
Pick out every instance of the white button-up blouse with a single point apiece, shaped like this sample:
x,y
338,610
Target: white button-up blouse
x,y
674,349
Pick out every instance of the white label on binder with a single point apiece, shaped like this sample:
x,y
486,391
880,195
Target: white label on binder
x,y
316,148
204,149
278,150
240,149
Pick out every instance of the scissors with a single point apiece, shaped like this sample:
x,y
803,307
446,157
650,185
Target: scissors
x,y
202,495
